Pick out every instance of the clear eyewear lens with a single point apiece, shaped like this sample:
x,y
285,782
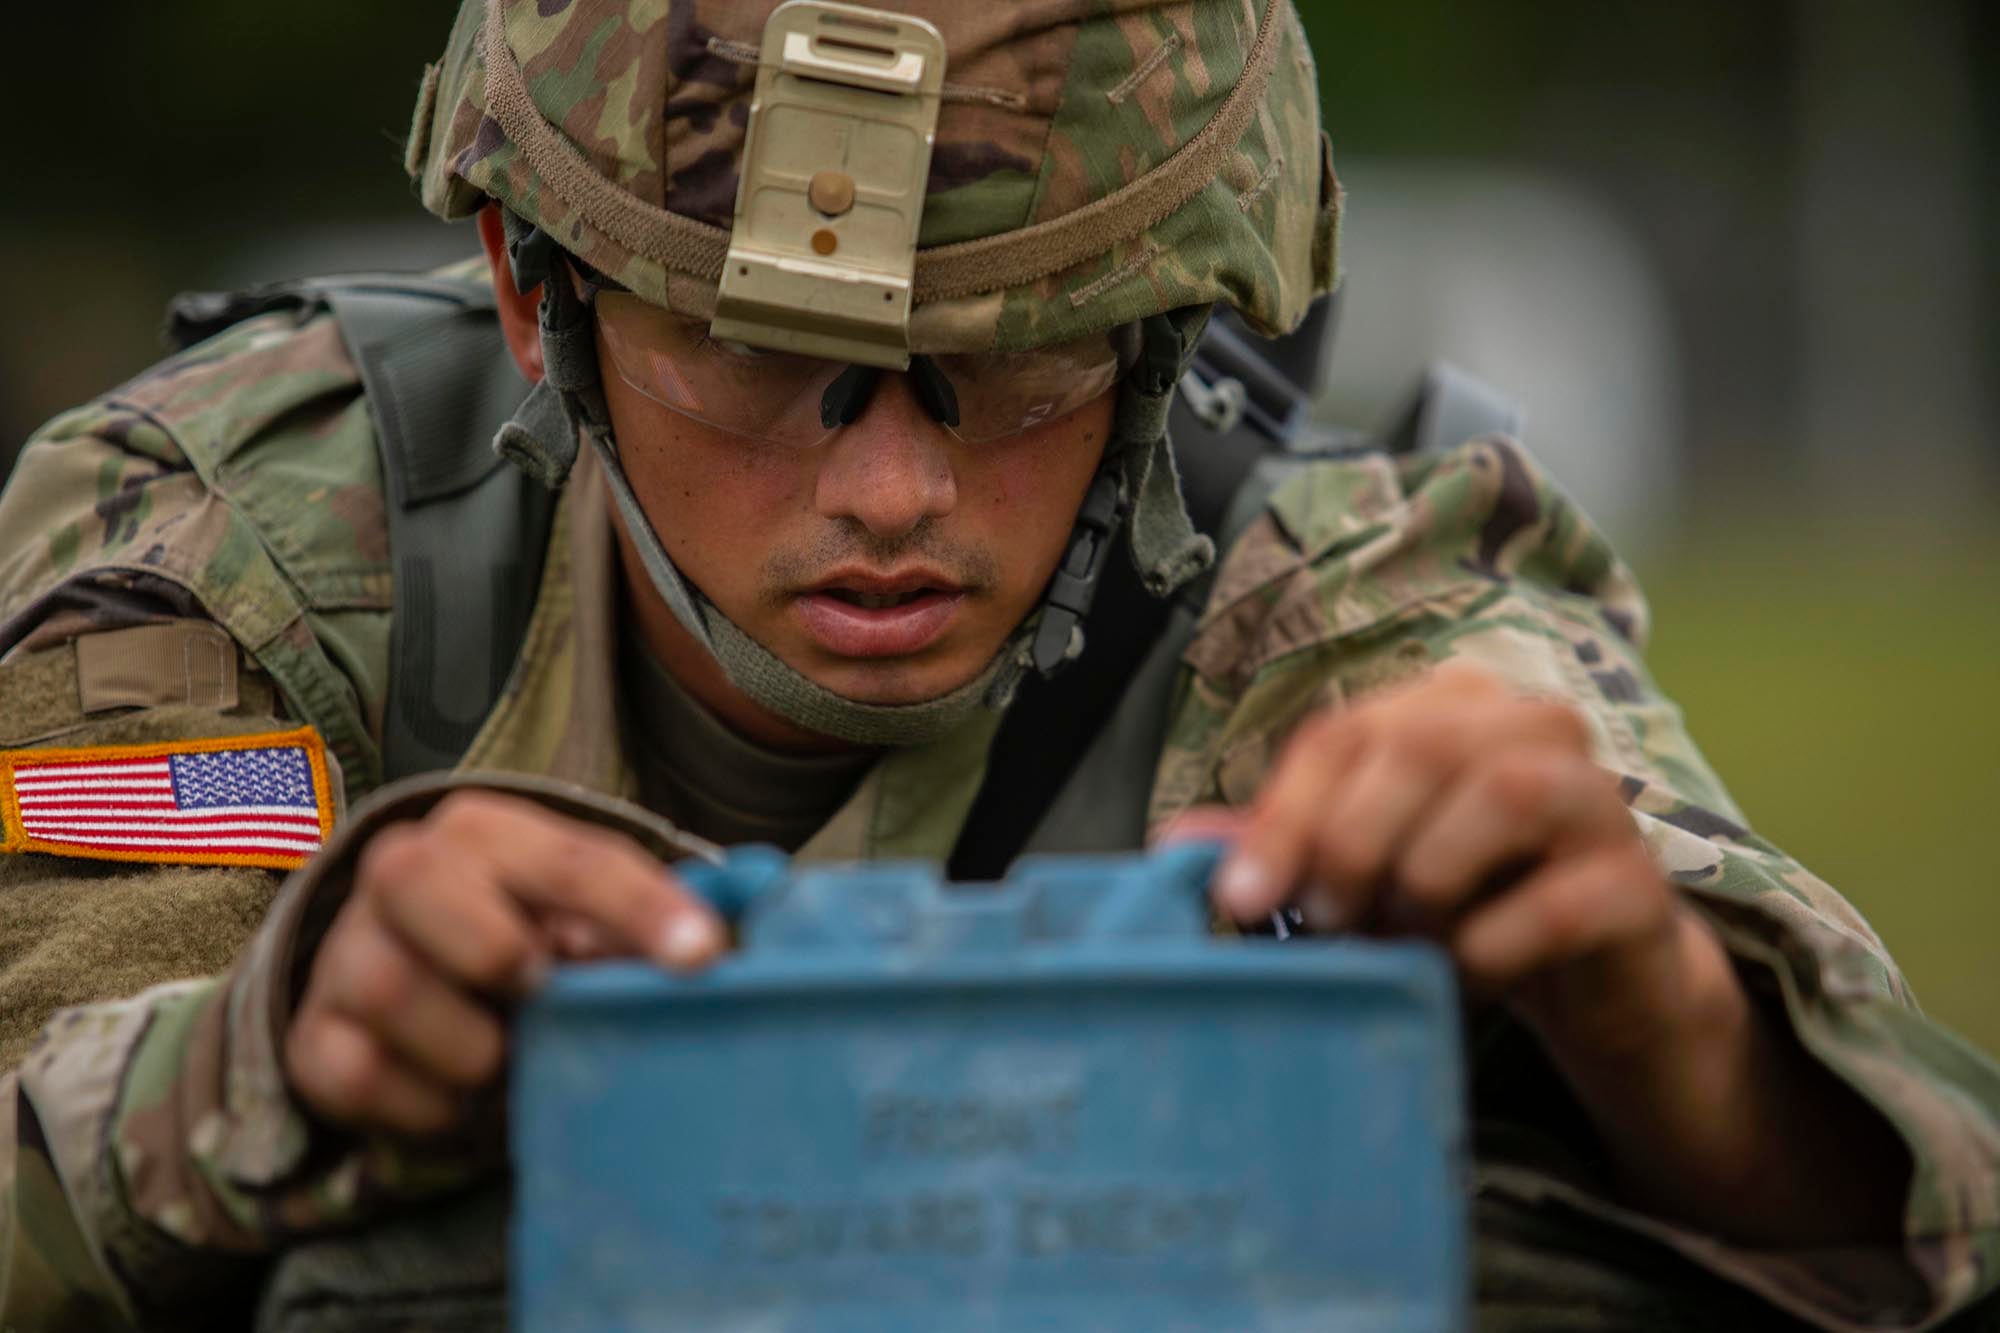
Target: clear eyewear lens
x,y
747,391
777,397
1006,393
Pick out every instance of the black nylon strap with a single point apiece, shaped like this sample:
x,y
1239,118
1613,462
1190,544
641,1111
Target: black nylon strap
x,y
466,531
1053,720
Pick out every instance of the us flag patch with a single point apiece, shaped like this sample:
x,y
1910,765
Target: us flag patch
x,y
237,800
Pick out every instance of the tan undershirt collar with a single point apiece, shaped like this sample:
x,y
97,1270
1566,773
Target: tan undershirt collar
x,y
697,772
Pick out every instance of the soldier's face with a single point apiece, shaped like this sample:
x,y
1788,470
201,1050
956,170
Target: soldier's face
x,y
887,563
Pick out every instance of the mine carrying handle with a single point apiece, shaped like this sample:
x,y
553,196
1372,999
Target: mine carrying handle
x,y
732,884
750,877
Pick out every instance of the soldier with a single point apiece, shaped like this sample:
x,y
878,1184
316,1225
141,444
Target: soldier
x,y
804,559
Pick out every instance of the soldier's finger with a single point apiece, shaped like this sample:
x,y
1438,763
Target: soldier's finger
x,y
348,1077
1274,846
1370,811
1202,823
1276,856
553,863
1460,678
1506,808
578,938
429,1023
452,910
1569,910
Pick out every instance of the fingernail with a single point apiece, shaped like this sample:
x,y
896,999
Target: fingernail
x,y
1242,886
1321,908
691,939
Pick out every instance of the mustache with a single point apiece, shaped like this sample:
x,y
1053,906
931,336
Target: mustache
x,y
785,573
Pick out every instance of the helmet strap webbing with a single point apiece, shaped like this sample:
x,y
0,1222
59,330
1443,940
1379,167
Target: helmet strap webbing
x,y
568,405
568,401
760,674
1137,480
1166,549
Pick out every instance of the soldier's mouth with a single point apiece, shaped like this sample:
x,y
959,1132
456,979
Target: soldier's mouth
x,y
873,601
880,615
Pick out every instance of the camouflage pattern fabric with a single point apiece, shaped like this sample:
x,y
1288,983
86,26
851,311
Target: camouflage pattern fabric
x,y
1365,572
210,1167
155,1164
1049,107
237,482
151,1162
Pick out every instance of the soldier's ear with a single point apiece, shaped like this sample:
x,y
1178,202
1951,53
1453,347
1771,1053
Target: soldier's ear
x,y
519,311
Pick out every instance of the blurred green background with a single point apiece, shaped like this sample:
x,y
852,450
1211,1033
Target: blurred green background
x,y
1738,256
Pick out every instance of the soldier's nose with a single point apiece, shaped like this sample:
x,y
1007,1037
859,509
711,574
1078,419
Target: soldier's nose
x,y
891,468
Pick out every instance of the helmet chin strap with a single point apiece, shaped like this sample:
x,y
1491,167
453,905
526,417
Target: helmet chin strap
x,y
759,673
543,435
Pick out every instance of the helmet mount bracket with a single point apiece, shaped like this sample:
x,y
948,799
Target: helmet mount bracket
x,y
845,95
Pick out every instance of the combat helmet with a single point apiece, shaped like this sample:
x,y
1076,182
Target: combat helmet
x,y
1089,169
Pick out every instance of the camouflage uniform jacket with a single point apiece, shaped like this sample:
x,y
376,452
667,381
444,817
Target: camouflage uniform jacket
x,y
151,1162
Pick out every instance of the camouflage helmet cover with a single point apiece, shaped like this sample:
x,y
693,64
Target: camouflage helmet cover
x,y
1157,153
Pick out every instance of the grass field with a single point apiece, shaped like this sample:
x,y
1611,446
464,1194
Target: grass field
x,y
1845,681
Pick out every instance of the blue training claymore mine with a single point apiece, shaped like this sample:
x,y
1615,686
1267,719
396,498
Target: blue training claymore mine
x,y
1050,1103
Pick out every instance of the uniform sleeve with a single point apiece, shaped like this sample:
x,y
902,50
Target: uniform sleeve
x,y
72,933
158,1159
236,483
1366,572
154,1162
71,1254
153,1158
75,1251
232,488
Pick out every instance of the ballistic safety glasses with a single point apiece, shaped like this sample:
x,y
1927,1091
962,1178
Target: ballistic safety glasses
x,y
788,399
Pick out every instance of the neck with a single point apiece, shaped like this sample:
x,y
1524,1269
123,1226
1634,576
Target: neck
x,y
695,669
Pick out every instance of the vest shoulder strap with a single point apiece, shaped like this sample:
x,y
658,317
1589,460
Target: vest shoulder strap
x,y
1447,408
467,532
1072,766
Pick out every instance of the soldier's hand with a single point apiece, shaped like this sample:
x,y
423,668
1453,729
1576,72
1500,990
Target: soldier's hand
x,y
1456,809
450,919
